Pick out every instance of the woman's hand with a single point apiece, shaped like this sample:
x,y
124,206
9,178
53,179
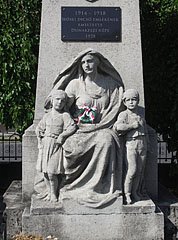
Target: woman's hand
x,y
60,140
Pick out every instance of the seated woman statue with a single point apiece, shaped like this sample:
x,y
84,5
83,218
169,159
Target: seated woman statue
x,y
93,157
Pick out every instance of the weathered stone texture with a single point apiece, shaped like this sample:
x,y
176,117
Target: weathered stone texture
x,y
136,222
14,208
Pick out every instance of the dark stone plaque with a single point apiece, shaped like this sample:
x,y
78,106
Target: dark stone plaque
x,y
98,24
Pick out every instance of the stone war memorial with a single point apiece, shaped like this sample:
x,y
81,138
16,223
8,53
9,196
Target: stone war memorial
x,y
89,160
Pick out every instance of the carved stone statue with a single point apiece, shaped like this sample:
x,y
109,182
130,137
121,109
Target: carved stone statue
x,y
52,132
132,126
92,155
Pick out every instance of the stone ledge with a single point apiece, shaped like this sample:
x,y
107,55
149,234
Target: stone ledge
x,y
13,196
71,207
14,208
168,204
102,226
133,226
69,220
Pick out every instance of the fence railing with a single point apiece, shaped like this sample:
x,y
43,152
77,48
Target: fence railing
x,y
10,147
165,156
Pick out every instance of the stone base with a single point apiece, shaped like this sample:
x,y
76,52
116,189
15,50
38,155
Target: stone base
x,y
14,208
69,221
168,204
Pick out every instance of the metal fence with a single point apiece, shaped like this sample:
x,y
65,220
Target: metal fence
x,y
165,156
10,147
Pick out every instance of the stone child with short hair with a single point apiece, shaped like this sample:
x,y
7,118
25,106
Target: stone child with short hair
x,y
132,126
52,132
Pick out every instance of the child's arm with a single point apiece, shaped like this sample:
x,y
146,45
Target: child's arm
x,y
122,126
69,128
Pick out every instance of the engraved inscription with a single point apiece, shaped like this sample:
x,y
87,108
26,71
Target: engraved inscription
x,y
91,24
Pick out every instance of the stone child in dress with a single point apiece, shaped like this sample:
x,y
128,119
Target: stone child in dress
x,y
52,132
132,126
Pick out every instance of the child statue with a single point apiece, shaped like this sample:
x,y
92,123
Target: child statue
x,y
52,131
132,126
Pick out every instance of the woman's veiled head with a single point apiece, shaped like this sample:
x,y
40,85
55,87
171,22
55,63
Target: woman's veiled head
x,y
89,63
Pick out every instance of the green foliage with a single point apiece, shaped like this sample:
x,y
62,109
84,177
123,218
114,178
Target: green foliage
x,y
19,43
159,22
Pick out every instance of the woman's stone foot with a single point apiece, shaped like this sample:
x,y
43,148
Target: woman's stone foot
x,y
128,199
53,199
41,196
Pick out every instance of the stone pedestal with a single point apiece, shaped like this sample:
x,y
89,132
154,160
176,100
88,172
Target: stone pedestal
x,y
168,204
14,208
141,220
29,158
69,221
